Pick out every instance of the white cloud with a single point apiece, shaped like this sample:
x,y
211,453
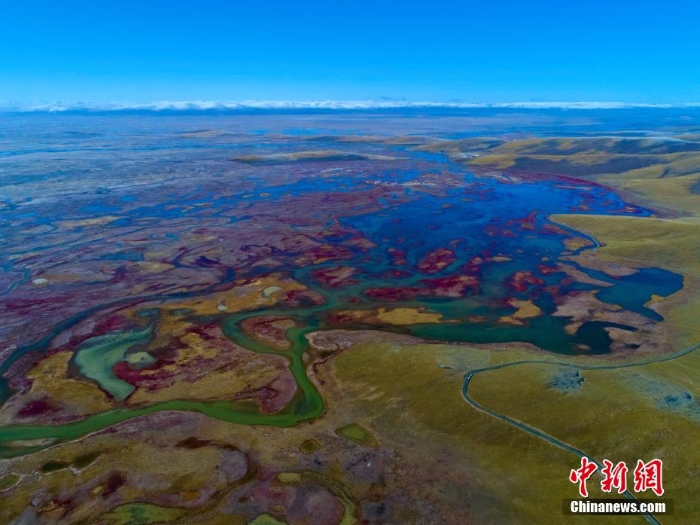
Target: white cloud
x,y
182,105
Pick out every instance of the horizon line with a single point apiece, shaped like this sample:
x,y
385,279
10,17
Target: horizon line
x,y
329,104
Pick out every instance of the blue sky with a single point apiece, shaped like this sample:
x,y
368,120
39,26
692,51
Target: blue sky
x,y
471,51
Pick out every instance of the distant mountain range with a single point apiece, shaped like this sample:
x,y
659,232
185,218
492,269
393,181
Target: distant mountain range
x,y
204,105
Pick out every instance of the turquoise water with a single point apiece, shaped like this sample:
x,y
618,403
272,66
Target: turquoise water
x,y
97,356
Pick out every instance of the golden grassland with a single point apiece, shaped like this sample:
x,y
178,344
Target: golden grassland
x,y
672,194
626,414
263,291
413,394
629,164
411,398
395,316
670,243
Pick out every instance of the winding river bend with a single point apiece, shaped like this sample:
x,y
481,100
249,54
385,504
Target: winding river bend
x,y
307,403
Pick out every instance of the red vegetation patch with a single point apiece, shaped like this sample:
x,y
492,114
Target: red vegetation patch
x,y
521,281
114,483
71,338
310,252
156,376
398,256
274,396
302,299
455,286
335,276
473,267
182,360
526,223
269,330
552,229
391,293
395,274
37,407
437,261
547,270
495,231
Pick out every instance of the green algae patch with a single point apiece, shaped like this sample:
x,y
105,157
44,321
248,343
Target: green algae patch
x,y
358,434
289,477
98,356
309,446
270,290
183,311
141,514
8,481
86,459
52,466
266,519
140,359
